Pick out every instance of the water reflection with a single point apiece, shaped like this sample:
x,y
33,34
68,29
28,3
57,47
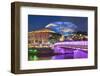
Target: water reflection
x,y
62,56
73,54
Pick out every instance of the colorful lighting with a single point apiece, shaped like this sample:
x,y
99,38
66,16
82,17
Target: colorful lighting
x,y
62,46
35,57
72,43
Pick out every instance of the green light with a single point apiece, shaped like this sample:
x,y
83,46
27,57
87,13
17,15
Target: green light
x,y
35,50
35,57
30,50
31,58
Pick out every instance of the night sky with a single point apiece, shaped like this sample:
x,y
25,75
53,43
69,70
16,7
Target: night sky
x,y
36,22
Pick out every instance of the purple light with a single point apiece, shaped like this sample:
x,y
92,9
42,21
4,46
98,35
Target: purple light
x,y
80,54
59,50
70,53
58,57
72,43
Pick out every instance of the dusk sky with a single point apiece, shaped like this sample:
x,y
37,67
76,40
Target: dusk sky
x,y
37,22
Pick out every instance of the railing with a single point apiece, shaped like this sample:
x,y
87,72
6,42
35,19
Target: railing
x,y
72,43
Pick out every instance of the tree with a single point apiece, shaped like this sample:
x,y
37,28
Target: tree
x,y
54,37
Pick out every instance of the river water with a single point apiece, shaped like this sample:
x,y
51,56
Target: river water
x,y
70,54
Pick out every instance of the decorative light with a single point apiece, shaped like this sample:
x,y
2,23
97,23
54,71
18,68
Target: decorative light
x,y
35,57
35,50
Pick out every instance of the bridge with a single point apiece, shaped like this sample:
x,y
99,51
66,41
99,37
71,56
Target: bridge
x,y
70,46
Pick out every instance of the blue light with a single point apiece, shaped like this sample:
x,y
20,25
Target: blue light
x,y
63,28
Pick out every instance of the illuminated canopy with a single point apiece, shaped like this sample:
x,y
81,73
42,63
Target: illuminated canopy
x,y
64,28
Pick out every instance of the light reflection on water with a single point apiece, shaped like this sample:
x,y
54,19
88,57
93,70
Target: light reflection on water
x,y
70,55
